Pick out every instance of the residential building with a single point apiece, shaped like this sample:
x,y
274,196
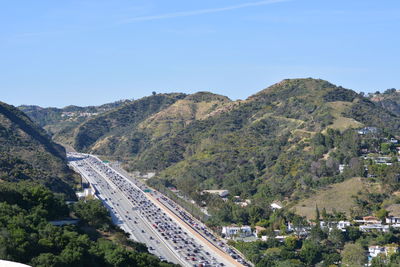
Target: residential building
x,y
367,130
392,220
374,227
275,206
221,193
232,231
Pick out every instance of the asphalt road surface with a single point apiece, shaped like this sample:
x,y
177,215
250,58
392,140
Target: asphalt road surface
x,y
148,218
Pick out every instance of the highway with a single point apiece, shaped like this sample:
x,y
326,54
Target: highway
x,y
147,219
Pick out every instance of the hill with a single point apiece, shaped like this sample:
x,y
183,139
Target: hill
x,y
389,100
27,153
127,131
284,143
54,120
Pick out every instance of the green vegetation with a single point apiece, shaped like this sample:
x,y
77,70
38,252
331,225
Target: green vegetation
x,y
285,144
26,235
56,120
27,153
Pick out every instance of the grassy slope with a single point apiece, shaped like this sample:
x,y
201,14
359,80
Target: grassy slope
x,y
336,196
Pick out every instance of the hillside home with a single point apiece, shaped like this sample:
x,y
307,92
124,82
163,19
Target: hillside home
x,y
392,220
374,251
371,220
275,206
342,167
258,230
341,225
299,230
367,130
221,193
232,231
374,227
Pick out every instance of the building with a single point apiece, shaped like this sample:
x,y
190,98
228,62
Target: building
x,y
368,130
371,220
388,250
341,168
87,192
236,231
341,225
392,220
221,193
275,206
374,227
258,230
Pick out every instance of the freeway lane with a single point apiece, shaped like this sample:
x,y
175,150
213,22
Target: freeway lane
x,y
135,211
124,213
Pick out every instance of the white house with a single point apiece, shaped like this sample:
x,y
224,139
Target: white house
x,y
367,130
341,225
378,227
374,251
243,231
87,192
221,193
275,206
392,220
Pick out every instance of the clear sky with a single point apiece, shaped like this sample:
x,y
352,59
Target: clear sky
x,y
88,52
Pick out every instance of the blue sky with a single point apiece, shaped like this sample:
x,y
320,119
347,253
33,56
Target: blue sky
x,y
88,52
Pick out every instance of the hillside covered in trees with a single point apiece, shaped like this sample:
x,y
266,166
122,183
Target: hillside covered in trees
x,y
35,183
28,153
278,144
55,120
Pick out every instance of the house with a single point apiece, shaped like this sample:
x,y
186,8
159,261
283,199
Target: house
x,y
300,230
374,251
275,206
392,220
221,193
258,230
367,130
342,167
374,227
388,250
393,141
341,225
231,231
371,220
87,192
244,203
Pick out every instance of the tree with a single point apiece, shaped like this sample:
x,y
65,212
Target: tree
x,y
154,93
310,253
382,214
336,237
353,255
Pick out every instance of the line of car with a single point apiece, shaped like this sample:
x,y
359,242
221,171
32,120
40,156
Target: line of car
x,y
177,238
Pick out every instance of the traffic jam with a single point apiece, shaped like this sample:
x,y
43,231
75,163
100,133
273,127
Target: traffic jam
x,y
165,229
